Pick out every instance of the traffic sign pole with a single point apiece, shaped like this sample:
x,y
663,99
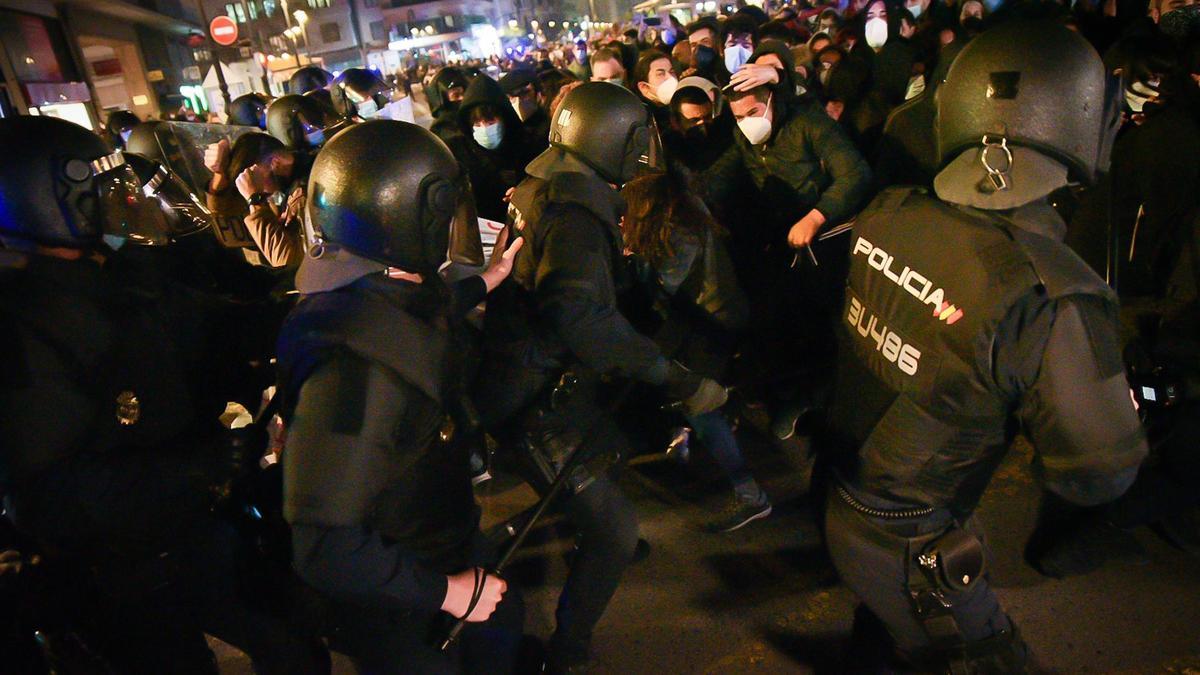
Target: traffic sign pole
x,y
214,60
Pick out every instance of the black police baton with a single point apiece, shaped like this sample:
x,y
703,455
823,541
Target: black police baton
x,y
514,544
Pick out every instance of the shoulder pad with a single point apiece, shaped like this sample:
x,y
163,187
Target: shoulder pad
x,y
892,198
1059,269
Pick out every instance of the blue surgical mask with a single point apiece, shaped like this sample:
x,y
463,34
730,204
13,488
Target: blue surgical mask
x,y
125,135
490,135
315,138
114,242
736,56
368,109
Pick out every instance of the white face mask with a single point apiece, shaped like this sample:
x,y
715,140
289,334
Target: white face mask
x,y
876,32
756,129
736,56
523,107
368,109
666,89
915,9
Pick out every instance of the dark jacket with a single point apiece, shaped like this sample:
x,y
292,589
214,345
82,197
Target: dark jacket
x,y
379,502
559,308
1156,195
957,324
492,172
808,162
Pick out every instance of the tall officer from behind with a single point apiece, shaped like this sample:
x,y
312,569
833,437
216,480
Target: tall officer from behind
x,y
376,488
965,316
559,324
108,436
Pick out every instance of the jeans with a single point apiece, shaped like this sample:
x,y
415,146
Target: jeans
x,y
717,435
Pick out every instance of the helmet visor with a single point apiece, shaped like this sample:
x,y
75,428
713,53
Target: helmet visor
x,y
184,212
466,247
128,213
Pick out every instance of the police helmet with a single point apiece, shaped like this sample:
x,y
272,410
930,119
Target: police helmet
x,y
298,121
1025,108
249,110
607,127
65,190
387,191
359,92
307,79
118,126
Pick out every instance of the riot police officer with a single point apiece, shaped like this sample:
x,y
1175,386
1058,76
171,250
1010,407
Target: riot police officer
x,y
249,110
964,315
376,483
308,78
111,444
552,332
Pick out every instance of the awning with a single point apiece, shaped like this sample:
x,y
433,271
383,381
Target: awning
x,y
425,41
131,13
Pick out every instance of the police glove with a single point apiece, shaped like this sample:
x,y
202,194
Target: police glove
x,y
692,393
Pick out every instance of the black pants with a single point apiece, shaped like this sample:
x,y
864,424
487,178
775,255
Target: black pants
x,y
872,558
604,518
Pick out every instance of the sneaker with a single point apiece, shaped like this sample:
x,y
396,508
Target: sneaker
x,y
738,515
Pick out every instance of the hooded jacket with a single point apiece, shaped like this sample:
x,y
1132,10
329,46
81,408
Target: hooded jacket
x,y
492,172
808,162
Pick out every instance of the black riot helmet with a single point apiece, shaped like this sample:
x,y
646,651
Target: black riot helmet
x,y
607,127
118,126
66,189
438,92
298,121
390,192
307,79
249,110
359,92
1025,107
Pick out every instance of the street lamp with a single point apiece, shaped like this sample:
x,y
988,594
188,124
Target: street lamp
x,y
302,21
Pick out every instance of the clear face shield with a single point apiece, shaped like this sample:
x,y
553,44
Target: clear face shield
x,y
129,215
465,245
184,212
650,157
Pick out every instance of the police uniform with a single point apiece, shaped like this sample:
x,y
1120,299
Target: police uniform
x,y
554,328
966,319
109,455
376,486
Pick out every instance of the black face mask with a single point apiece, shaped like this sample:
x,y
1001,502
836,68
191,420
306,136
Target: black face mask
x,y
972,24
697,134
705,57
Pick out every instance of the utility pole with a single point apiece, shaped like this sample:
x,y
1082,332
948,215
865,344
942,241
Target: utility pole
x,y
358,41
213,59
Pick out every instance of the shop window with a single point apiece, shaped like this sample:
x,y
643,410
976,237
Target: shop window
x,y
331,32
377,32
35,48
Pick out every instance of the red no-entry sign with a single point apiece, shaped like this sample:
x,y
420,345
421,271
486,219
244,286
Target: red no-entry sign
x,y
223,30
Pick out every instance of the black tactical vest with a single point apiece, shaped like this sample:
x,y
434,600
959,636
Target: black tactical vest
x,y
86,368
928,286
426,503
